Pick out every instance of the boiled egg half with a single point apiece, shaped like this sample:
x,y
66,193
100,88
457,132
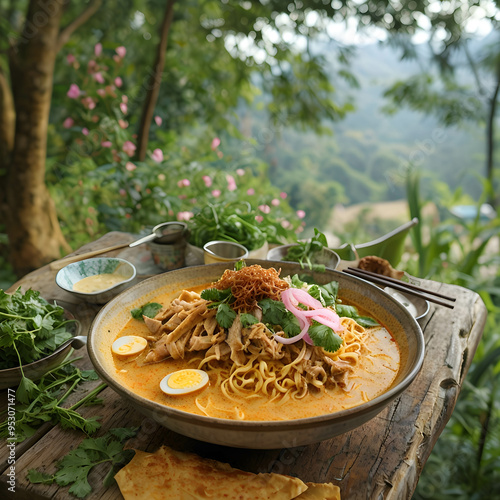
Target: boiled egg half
x,y
184,382
129,345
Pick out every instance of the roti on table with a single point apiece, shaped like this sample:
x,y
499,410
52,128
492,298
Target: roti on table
x,y
176,475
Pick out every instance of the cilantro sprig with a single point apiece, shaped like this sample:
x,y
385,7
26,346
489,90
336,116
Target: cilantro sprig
x,y
150,310
74,468
30,328
221,299
323,336
304,252
37,403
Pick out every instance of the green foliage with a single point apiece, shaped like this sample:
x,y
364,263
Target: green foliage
x,y
30,328
74,468
465,462
42,402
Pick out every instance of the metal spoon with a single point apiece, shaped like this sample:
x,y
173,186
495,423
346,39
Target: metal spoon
x,y
164,233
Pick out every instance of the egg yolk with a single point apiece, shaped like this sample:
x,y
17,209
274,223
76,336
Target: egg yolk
x,y
129,345
184,379
184,382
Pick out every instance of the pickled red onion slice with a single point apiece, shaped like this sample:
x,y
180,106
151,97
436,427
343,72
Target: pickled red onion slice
x,y
291,298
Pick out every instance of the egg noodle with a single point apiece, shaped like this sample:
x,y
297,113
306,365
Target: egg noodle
x,y
248,362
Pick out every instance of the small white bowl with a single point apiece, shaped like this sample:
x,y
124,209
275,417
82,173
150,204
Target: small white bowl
x,y
72,273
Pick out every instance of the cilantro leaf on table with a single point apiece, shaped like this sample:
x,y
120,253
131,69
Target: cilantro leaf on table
x,y
149,310
324,337
74,468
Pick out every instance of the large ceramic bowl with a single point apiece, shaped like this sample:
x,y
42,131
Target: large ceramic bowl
x,y
253,434
72,273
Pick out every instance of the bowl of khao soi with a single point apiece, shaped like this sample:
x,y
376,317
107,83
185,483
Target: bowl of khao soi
x,y
256,354
96,280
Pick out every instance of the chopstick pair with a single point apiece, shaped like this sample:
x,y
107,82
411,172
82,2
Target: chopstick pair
x,y
402,286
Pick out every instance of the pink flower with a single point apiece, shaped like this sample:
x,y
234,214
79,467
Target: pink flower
x,y
130,166
184,183
122,192
275,202
68,123
129,148
125,98
265,208
106,144
283,195
123,107
74,91
101,92
98,77
158,120
231,184
207,180
70,58
216,193
85,131
220,154
98,49
123,124
259,218
118,82
121,51
251,191
184,215
215,143
285,224
88,102
157,155
240,172
300,214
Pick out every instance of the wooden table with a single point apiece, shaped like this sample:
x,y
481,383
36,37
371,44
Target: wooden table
x,y
382,459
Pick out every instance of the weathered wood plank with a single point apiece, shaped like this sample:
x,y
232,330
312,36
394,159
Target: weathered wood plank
x,y
383,459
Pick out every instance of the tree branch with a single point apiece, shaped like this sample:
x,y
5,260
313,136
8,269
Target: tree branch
x,y
67,31
154,83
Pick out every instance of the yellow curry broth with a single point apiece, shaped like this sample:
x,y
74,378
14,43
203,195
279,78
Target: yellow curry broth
x,y
374,374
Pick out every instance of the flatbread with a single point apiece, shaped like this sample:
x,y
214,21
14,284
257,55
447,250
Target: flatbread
x,y
174,475
320,491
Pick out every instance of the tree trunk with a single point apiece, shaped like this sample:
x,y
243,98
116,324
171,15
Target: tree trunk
x,y
33,228
153,89
7,124
490,142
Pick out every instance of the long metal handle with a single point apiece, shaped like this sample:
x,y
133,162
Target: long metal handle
x,y
59,264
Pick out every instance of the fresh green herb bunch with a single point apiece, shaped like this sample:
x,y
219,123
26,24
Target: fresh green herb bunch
x,y
228,222
30,328
304,251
